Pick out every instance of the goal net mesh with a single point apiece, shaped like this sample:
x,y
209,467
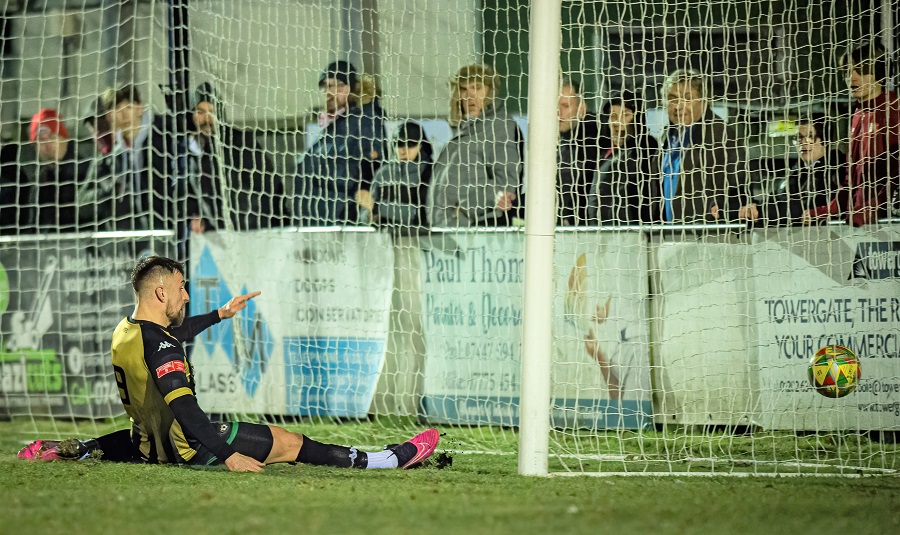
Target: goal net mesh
x,y
362,164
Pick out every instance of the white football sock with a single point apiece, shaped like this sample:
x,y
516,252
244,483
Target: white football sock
x,y
382,459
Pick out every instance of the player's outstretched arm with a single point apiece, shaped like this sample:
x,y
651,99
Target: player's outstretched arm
x,y
235,305
195,325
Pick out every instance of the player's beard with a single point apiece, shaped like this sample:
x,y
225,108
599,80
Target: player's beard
x,y
176,315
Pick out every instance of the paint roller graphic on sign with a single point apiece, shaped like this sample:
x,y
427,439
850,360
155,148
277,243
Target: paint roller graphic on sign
x,y
28,329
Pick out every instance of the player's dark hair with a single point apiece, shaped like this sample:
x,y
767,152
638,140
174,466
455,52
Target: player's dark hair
x,y
146,266
868,59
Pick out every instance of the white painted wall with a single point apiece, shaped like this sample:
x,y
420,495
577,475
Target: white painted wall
x,y
421,47
264,57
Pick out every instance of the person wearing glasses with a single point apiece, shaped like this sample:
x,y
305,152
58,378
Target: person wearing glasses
x,y
809,183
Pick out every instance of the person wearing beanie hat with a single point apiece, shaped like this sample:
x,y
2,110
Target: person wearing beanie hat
x,y
337,81
256,193
53,196
335,173
342,71
400,186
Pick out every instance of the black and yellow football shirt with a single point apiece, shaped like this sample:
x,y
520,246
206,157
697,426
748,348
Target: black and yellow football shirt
x,y
156,386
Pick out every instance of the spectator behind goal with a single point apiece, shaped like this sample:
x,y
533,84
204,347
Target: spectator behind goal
x,y
255,192
47,202
337,170
625,192
400,186
809,183
147,193
873,173
581,151
478,174
701,159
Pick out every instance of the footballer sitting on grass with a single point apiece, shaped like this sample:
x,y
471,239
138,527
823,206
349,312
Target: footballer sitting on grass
x,y
156,386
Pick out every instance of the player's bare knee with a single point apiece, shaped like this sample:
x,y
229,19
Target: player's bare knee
x,y
286,445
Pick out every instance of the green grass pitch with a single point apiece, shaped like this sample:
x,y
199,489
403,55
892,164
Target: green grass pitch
x,y
478,493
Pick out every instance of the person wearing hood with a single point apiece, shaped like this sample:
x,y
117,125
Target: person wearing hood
x,y
478,174
399,187
335,173
255,193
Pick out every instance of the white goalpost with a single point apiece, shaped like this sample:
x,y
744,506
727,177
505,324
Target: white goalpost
x,y
537,340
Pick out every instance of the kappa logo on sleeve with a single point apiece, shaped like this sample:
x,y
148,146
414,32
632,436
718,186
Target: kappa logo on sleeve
x,y
169,367
163,345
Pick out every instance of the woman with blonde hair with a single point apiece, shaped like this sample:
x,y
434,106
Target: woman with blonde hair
x,y
478,175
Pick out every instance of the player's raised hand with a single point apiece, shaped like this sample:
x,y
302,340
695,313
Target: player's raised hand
x,y
242,463
235,305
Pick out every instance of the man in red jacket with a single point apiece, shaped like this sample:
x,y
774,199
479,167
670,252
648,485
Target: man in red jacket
x,y
873,172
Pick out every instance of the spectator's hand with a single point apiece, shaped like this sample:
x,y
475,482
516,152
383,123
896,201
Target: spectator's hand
x,y
364,199
235,305
751,212
505,200
807,218
197,226
242,463
714,211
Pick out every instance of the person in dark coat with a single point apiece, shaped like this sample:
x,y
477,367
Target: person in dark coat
x,y
809,183
399,189
148,193
47,203
625,191
255,194
583,146
335,173
703,176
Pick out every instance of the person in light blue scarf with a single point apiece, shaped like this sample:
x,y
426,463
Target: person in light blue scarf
x,y
702,167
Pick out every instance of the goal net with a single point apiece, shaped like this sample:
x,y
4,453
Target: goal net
x,y
363,164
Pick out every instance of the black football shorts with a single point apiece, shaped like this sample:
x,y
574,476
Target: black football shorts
x,y
252,440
